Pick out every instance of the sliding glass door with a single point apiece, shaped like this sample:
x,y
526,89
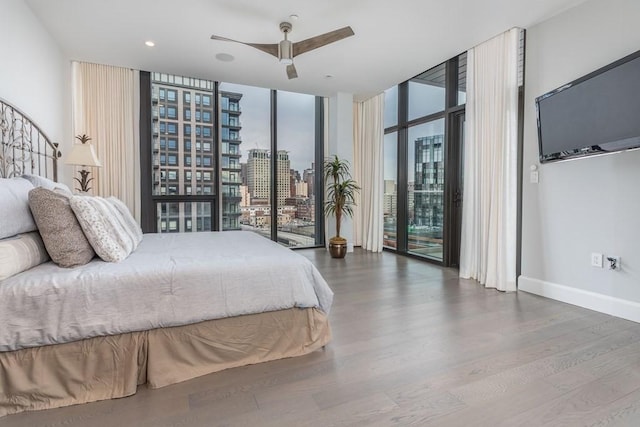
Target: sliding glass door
x,y
426,189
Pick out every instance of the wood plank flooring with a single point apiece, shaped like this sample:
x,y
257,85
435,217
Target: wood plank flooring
x,y
413,345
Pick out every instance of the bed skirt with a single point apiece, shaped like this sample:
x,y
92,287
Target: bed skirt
x,y
110,367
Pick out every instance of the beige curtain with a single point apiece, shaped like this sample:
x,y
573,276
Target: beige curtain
x,y
106,107
489,207
368,135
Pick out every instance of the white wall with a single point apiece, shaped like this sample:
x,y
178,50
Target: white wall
x,y
587,205
341,144
34,76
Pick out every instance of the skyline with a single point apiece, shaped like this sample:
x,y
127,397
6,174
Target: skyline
x,y
296,123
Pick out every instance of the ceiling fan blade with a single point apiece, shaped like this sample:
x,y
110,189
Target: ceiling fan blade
x,y
271,49
322,40
291,72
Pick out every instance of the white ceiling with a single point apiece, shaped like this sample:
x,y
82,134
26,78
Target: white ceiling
x,y
394,39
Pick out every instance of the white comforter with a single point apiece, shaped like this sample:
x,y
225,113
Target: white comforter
x,y
170,280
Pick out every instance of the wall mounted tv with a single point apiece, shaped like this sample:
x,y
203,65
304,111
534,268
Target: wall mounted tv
x,y
595,114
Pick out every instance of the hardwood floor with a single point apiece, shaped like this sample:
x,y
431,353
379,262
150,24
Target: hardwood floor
x,y
413,345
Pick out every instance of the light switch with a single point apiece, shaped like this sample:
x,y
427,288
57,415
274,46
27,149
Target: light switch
x,y
533,177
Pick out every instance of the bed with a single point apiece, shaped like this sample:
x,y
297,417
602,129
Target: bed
x,y
178,307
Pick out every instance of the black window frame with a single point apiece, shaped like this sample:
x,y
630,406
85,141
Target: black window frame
x,y
451,111
150,202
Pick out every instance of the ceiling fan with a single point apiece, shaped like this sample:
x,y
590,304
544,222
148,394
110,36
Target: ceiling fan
x,y
286,50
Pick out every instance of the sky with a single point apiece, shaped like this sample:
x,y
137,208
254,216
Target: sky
x,y
296,123
423,100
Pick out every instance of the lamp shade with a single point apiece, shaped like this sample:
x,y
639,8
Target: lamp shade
x,y
83,155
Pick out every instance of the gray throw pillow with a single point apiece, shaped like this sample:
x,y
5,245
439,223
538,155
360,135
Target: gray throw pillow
x,y
61,233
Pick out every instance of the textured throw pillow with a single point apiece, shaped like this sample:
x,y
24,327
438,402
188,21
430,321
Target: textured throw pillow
x,y
104,227
61,233
20,253
15,217
133,228
40,181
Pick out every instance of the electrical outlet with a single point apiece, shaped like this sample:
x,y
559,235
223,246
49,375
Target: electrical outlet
x,y
613,262
596,260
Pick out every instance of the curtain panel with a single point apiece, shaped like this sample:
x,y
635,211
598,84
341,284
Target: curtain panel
x,y
106,107
489,212
368,136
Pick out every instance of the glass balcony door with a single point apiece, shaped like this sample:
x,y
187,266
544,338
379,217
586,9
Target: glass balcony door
x,y
426,167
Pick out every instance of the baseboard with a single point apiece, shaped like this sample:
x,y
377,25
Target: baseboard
x,y
618,307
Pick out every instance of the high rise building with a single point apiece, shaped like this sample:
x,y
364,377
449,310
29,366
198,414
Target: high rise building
x,y
429,181
184,141
301,189
390,199
283,166
183,149
294,179
308,176
258,173
230,171
246,198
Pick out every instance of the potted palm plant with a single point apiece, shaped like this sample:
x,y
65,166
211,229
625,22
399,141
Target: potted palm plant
x,y
341,191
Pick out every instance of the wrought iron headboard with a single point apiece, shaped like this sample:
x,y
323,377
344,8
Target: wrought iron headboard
x,y
24,148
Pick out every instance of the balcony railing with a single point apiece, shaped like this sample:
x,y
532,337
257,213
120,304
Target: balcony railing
x,y
234,168
235,152
231,181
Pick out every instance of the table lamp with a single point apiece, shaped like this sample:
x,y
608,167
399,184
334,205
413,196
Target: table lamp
x,y
83,155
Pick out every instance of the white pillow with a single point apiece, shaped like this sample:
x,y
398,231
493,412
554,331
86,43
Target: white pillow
x,y
130,223
104,227
41,181
20,253
15,216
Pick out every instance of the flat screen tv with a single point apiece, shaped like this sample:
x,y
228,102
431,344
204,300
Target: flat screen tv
x,y
595,114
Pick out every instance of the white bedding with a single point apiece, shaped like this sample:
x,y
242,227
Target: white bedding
x,y
170,280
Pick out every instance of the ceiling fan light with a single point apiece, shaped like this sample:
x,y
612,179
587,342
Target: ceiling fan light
x,y
285,52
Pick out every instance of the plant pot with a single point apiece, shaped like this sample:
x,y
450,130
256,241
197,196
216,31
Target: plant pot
x,y
338,249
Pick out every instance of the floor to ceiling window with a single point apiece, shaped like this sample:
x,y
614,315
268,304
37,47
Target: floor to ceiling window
x,y
231,157
390,197
245,128
296,196
421,162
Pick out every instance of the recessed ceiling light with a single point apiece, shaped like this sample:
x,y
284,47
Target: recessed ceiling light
x,y
328,76
150,43
293,17
224,57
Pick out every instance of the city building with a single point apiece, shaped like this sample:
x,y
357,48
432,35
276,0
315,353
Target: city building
x,y
283,165
428,191
294,179
390,199
301,189
245,196
183,141
258,173
304,207
230,158
308,176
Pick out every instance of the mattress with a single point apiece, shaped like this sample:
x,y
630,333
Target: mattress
x,y
170,280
